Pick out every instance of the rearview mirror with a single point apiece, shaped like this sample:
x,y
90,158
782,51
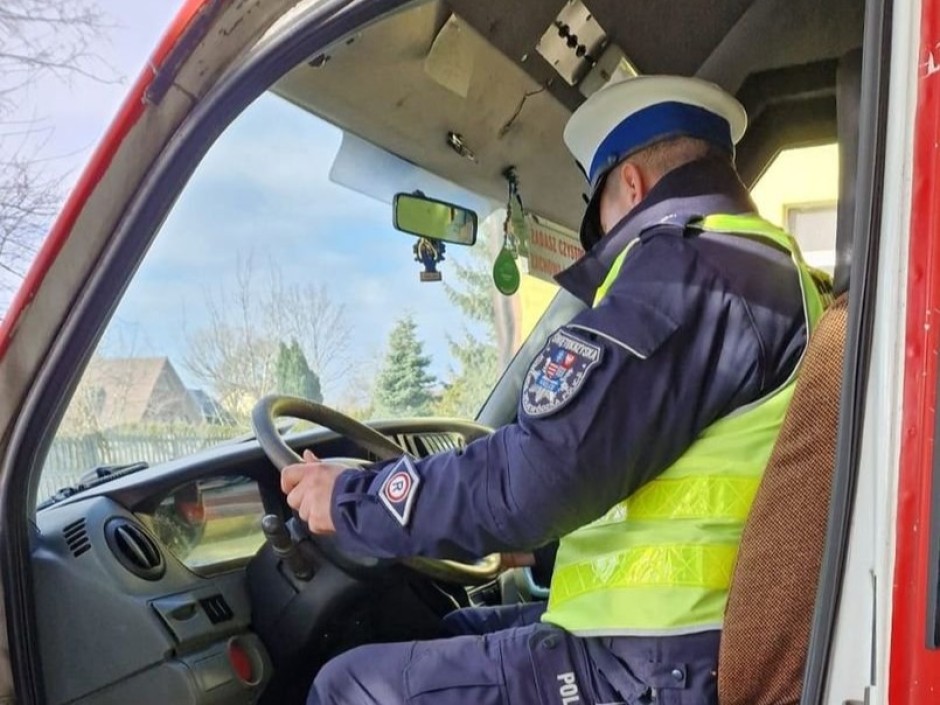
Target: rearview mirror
x,y
434,220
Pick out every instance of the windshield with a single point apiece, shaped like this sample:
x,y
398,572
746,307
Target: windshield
x,y
269,277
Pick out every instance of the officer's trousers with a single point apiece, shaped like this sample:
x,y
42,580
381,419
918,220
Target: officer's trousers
x,y
504,655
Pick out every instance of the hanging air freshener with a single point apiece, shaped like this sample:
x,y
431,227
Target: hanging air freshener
x,y
506,273
429,253
515,240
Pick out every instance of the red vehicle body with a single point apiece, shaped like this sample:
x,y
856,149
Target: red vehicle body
x,y
905,665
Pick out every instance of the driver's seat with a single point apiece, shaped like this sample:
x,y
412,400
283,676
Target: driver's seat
x,y
769,615
770,606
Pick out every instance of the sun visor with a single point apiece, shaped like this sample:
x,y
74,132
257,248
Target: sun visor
x,y
371,171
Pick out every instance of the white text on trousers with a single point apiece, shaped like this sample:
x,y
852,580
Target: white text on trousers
x,y
569,689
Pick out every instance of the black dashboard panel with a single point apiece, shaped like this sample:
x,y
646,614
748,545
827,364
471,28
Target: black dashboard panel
x,y
164,634
163,637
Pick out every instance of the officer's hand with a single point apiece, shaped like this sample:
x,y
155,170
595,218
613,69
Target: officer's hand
x,y
517,560
309,490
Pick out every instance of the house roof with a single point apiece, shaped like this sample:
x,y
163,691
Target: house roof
x,y
210,408
122,391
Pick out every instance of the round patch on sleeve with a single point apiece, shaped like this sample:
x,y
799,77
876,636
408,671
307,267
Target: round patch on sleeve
x,y
558,373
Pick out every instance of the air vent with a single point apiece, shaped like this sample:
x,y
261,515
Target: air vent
x,y
135,550
217,609
76,536
438,442
422,445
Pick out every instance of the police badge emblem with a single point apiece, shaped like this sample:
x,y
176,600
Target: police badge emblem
x,y
558,373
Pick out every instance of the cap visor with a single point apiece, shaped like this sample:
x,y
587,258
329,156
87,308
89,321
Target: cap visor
x,y
591,231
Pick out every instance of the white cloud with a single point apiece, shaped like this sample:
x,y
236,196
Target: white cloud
x,y
263,190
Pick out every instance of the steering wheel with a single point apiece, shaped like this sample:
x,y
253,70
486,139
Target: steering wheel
x,y
263,418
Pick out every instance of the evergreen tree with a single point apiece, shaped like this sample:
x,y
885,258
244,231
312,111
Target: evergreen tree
x,y
403,386
477,363
293,374
477,356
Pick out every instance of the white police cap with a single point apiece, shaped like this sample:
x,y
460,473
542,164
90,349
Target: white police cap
x,y
628,116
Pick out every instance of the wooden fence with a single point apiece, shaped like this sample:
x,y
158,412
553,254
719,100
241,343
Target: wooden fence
x,y
70,457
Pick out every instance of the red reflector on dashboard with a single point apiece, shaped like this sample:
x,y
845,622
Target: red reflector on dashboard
x,y
241,662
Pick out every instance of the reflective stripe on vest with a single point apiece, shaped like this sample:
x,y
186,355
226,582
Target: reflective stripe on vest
x,y
660,561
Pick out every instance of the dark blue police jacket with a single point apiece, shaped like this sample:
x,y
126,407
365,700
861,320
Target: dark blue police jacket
x,y
694,326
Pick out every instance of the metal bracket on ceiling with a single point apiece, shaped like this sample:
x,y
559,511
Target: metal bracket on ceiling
x,y
456,142
580,51
573,43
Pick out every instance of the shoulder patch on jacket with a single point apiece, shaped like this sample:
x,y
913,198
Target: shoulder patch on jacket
x,y
558,373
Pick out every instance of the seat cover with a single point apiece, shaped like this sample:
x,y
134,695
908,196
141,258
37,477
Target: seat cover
x,y
773,590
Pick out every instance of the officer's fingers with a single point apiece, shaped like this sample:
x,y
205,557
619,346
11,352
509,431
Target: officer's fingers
x,y
314,507
295,497
307,509
312,511
517,560
309,457
291,477
319,519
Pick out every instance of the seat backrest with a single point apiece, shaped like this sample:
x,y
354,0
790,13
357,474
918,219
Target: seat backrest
x,y
773,590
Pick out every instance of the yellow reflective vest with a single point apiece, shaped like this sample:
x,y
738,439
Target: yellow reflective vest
x,y
660,561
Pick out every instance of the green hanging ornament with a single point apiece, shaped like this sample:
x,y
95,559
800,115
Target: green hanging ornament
x,y
506,273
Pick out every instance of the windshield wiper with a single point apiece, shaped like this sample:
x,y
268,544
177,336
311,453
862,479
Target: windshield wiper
x,y
92,478
106,473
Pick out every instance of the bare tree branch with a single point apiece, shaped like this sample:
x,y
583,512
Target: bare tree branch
x,y
56,37
29,199
235,352
38,38
309,315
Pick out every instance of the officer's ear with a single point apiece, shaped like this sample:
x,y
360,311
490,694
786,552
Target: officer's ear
x,y
633,183
623,188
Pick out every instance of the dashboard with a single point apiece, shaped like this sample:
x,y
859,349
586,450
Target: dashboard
x,y
159,587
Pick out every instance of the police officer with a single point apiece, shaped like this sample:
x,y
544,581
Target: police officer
x,y
643,429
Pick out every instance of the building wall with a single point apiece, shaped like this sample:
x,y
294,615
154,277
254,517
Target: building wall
x,y
799,191
170,401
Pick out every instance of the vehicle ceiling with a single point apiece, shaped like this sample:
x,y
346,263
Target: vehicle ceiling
x,y
778,56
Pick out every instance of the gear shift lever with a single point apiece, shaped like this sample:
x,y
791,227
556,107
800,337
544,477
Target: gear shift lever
x,y
284,548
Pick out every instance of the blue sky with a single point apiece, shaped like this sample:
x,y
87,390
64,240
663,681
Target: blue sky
x,y
263,193
68,113
75,112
